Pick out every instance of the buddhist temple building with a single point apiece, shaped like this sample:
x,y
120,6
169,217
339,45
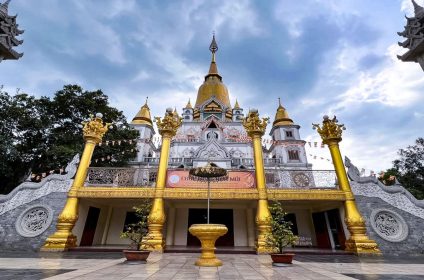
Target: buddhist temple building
x,y
89,207
212,131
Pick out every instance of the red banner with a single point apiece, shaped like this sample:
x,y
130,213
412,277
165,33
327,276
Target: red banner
x,y
236,180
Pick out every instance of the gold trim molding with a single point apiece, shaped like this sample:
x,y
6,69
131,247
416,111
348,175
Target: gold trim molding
x,y
226,194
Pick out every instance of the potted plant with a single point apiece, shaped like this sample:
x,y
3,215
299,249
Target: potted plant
x,y
138,233
281,235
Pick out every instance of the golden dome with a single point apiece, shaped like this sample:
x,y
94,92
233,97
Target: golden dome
x,y
213,86
143,116
282,117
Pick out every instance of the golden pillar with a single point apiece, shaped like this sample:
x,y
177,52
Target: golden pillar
x,y
167,127
62,239
255,128
359,243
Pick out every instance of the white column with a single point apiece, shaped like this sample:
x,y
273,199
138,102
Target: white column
x,y
250,227
170,227
107,225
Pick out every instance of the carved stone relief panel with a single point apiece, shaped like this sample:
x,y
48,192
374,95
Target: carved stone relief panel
x,y
389,225
34,220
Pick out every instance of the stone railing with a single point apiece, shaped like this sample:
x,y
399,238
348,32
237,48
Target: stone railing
x,y
151,160
242,161
145,177
305,179
172,160
121,176
234,161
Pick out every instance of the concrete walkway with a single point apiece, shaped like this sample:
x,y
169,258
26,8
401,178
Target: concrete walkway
x,y
180,266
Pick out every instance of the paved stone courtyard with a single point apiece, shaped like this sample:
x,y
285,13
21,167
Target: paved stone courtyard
x,y
180,266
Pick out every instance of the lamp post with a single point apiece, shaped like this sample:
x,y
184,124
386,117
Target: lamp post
x,y
208,233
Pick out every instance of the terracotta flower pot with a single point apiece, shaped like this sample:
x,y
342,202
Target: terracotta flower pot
x,y
284,258
134,255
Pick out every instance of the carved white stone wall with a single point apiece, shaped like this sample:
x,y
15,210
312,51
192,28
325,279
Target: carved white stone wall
x,y
29,191
2,233
34,220
389,225
398,200
28,194
395,195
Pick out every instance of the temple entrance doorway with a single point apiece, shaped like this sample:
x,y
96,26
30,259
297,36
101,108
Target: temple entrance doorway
x,y
90,226
217,216
329,230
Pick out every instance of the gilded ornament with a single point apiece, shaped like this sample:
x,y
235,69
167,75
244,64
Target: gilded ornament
x,y
254,125
169,125
249,194
94,128
330,131
208,234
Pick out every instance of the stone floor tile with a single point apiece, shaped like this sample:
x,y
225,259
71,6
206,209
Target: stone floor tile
x,y
181,267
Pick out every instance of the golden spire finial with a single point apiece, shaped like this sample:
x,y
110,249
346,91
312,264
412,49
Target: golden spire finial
x,y
279,102
213,69
188,106
236,106
147,98
213,47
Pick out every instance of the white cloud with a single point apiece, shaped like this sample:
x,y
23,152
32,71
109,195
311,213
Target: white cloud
x,y
239,17
419,115
398,84
407,7
141,75
294,13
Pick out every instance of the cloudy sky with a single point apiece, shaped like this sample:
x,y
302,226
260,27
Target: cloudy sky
x,y
320,56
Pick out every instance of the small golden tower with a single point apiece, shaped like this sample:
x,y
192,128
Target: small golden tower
x,y
281,117
143,116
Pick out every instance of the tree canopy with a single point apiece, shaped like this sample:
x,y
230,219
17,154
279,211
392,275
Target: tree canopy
x,y
39,135
409,168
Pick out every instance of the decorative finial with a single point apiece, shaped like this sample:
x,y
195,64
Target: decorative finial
x,y
417,8
330,131
147,98
213,47
254,125
279,102
236,106
4,7
94,128
169,125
